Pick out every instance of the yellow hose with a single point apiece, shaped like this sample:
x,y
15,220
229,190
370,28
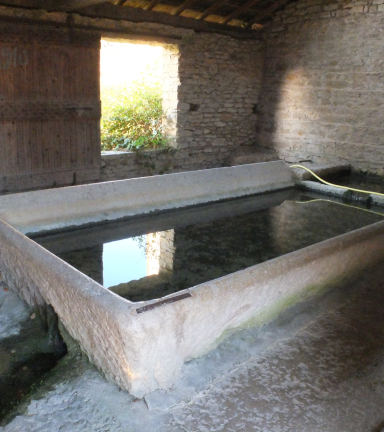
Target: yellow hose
x,y
342,204
337,186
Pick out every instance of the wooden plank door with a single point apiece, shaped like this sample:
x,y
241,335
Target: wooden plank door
x,y
49,107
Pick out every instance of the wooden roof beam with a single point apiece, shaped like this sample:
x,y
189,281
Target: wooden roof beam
x,y
185,5
212,9
113,12
239,11
52,5
70,5
266,12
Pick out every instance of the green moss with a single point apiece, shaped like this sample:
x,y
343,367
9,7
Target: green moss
x,y
272,312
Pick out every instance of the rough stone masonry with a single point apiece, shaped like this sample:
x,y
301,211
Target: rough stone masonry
x,y
323,83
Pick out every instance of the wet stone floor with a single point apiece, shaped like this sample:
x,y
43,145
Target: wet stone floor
x,y
318,367
30,346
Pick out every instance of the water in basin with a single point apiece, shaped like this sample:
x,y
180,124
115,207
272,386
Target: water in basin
x,y
152,256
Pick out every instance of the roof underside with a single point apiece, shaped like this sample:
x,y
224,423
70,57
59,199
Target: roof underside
x,y
238,13
245,14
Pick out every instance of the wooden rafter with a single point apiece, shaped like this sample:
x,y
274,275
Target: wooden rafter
x,y
185,5
266,12
212,9
151,5
239,11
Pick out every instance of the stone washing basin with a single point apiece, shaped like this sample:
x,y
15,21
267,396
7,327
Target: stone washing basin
x,y
142,346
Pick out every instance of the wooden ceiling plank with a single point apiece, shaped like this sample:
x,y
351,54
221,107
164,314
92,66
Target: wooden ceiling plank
x,y
185,5
239,11
212,9
266,12
151,5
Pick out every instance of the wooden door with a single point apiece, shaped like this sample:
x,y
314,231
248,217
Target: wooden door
x,y
49,107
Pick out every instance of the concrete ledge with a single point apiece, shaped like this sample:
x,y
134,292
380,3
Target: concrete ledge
x,y
73,206
341,193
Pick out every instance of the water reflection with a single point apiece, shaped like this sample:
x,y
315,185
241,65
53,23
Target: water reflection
x,y
160,251
134,258
124,260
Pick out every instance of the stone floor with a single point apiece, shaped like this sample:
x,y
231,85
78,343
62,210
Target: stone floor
x,y
319,367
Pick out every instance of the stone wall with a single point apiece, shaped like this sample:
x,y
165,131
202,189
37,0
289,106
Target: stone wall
x,y
220,81
123,165
323,83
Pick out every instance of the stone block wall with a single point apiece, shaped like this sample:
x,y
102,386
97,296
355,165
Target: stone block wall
x,y
220,81
323,83
123,165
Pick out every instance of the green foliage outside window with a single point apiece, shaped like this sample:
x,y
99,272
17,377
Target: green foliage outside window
x,y
132,117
